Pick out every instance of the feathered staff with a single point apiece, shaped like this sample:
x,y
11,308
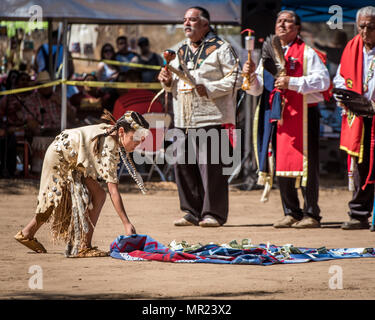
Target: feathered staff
x,y
273,56
249,46
274,62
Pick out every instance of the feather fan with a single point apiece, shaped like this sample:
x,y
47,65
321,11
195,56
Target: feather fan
x,y
273,56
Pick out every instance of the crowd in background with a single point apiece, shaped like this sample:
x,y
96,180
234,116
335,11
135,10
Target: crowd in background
x,y
31,116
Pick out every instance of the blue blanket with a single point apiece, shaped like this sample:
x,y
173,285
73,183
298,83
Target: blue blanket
x,y
143,247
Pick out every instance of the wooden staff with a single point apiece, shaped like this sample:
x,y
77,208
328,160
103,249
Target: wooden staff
x,y
249,46
169,55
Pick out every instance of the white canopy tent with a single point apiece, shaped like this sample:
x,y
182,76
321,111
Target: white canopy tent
x,y
113,12
121,11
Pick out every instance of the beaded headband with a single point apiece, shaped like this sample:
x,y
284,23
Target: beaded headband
x,y
128,118
139,130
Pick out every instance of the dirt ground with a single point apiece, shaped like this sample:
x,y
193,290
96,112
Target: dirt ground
x,y
153,214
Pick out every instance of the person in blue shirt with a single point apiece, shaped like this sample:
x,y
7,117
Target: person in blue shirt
x,y
42,56
123,54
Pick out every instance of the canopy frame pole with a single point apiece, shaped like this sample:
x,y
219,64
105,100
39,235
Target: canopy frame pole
x,y
50,44
64,77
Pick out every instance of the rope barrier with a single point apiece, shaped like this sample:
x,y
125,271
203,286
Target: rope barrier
x,y
100,84
119,63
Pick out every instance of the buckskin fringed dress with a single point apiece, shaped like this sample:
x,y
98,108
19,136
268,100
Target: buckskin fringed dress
x,y
63,197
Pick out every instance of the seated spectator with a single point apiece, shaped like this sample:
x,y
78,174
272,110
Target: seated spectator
x,y
107,72
14,122
48,105
123,54
10,81
47,102
89,102
134,99
17,115
149,58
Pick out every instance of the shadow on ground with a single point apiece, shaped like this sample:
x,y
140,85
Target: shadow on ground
x,y
135,296
326,225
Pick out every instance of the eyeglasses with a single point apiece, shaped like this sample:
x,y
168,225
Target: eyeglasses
x,y
108,50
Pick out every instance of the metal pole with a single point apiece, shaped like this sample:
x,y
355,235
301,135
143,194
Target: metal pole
x,y
64,77
50,63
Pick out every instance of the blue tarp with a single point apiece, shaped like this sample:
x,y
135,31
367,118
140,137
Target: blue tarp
x,y
317,10
143,247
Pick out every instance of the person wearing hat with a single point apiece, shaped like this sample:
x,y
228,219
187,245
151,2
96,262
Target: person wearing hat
x,y
149,58
70,196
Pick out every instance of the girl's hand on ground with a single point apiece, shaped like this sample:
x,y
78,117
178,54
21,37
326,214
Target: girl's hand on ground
x,y
129,229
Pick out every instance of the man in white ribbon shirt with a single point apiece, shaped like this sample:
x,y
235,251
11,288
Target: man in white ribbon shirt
x,y
207,109
294,132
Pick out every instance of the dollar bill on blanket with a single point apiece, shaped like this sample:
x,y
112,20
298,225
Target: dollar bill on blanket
x,y
143,247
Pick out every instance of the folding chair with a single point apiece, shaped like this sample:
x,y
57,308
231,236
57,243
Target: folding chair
x,y
152,149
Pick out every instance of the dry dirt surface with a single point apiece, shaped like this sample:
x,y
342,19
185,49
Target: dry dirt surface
x,y
153,214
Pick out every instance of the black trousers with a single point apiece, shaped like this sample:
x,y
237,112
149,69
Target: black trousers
x,y
310,193
362,201
202,187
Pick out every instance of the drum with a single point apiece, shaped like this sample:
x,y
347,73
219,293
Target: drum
x,y
39,147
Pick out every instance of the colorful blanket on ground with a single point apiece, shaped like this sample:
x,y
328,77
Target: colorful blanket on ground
x,y
143,247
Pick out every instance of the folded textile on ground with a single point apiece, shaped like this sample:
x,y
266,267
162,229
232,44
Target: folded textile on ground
x,y
142,247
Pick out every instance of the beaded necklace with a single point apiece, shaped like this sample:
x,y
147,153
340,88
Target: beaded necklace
x,y
370,74
128,162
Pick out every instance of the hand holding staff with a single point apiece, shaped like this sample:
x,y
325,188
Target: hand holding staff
x,y
165,75
169,55
249,66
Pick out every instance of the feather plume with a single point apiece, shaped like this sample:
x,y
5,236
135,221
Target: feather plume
x,y
273,56
108,117
279,53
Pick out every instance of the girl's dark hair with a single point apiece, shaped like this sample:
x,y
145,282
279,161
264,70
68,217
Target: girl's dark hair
x,y
103,48
107,117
